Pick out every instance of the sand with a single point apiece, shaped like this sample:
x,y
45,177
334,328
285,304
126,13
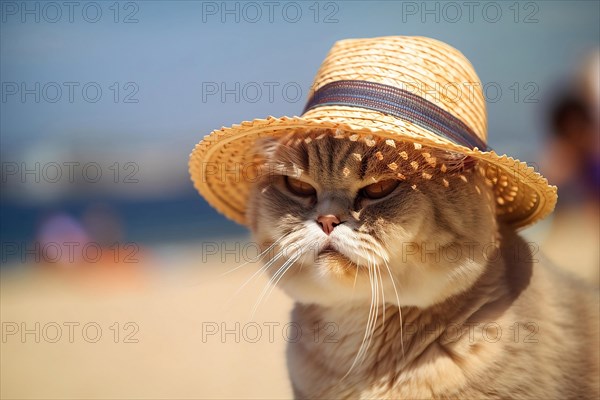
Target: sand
x,y
173,346
168,326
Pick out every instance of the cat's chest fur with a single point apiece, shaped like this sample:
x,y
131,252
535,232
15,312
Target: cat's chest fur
x,y
320,362
434,359
498,341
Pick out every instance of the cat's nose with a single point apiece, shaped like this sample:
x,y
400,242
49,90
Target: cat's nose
x,y
328,222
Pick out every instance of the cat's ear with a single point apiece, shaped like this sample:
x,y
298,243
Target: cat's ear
x,y
456,162
265,147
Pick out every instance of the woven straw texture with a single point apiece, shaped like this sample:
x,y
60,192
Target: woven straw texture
x,y
222,166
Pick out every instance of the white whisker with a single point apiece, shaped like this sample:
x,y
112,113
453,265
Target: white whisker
x,y
275,279
296,257
358,356
372,317
398,303
260,271
259,257
256,259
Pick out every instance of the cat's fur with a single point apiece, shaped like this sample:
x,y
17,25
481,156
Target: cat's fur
x,y
421,294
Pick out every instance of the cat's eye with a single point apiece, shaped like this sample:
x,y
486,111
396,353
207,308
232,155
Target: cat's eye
x,y
299,188
380,189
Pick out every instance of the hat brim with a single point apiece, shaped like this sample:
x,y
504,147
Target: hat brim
x,y
221,166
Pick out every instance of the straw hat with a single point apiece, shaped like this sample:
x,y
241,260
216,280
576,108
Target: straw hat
x,y
412,89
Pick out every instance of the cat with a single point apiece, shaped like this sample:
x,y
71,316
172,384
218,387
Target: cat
x,y
396,248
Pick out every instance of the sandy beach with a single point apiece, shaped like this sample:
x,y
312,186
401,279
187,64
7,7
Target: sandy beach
x,y
177,323
161,329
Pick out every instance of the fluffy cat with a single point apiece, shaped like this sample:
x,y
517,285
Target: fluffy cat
x,y
396,250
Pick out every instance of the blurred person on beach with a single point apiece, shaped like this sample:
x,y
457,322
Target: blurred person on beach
x,y
57,235
571,160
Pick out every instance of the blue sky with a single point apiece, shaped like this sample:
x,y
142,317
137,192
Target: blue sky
x,y
177,46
